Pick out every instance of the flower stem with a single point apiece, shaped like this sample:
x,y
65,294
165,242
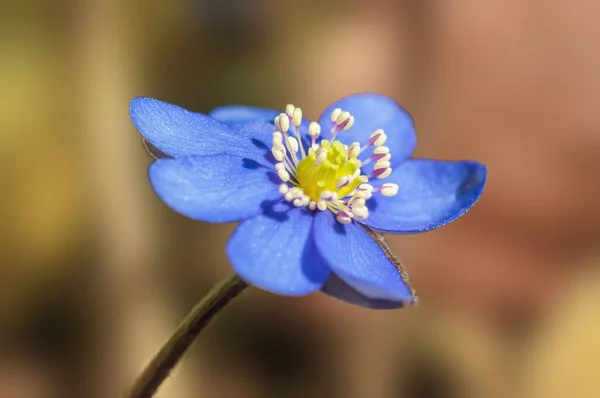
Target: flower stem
x,y
164,361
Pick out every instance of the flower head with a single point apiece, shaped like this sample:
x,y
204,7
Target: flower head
x,y
304,191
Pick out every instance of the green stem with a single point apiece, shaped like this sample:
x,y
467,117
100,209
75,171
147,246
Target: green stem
x,y
164,361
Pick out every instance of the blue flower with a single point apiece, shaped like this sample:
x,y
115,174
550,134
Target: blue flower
x,y
304,191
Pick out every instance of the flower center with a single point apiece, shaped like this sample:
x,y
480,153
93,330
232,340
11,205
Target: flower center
x,y
327,175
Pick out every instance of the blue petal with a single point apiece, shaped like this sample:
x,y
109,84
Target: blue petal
x,y
360,262
431,193
178,132
235,114
336,287
259,133
372,112
276,252
220,188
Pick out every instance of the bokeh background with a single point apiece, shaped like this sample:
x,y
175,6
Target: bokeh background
x,y
95,272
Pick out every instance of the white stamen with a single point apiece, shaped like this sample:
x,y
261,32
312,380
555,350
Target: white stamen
x,y
380,140
305,200
342,181
365,188
292,144
289,110
385,174
314,129
353,150
375,134
379,153
326,195
381,150
297,117
364,191
312,205
350,123
358,202
344,217
278,154
284,188
322,205
389,189
284,175
297,192
382,164
360,212
298,202
377,138
284,123
335,114
279,166
344,116
321,156
277,137
276,122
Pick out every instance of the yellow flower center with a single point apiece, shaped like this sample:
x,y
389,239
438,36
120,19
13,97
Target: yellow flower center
x,y
328,174
335,173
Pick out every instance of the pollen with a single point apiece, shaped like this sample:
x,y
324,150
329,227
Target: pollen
x,y
327,174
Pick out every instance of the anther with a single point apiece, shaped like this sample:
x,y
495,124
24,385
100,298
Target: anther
x,y
389,189
343,117
321,156
364,191
305,200
353,150
381,150
380,153
292,144
335,114
357,201
278,154
284,123
277,137
360,212
322,205
279,166
312,205
344,217
297,117
284,188
289,110
382,169
342,181
377,138
342,121
350,123
314,129
327,195
284,175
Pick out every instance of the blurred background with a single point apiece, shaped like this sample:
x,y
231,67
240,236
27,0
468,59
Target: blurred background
x,y
95,272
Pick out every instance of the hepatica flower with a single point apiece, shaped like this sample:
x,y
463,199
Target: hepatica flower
x,y
308,194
